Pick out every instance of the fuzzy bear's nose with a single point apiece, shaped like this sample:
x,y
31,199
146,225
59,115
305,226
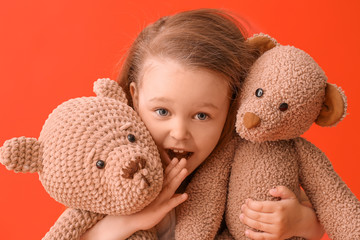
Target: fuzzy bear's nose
x,y
133,167
251,120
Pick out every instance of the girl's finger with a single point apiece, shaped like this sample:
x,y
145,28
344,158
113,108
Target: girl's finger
x,y
171,165
176,200
257,216
157,210
282,192
174,171
265,227
172,185
258,235
262,206
168,169
304,200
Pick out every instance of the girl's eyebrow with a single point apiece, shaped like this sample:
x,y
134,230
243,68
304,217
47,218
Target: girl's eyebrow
x,y
160,99
206,104
200,105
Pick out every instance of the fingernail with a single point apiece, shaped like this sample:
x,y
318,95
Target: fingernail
x,y
246,232
243,207
241,217
273,190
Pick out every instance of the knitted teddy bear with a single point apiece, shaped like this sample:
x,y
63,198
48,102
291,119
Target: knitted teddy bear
x,y
95,156
283,94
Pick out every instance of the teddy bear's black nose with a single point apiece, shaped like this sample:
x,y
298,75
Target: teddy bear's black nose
x,y
133,167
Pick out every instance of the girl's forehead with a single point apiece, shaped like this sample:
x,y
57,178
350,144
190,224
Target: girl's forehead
x,y
171,82
167,71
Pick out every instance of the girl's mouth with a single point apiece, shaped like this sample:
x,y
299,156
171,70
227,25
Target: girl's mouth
x,y
179,154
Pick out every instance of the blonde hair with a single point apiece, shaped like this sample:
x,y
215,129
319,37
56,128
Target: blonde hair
x,y
205,38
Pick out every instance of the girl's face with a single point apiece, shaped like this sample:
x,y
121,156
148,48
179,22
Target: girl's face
x,y
184,109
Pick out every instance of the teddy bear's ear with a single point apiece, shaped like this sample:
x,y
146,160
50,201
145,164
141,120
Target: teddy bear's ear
x,y
104,87
262,42
21,155
334,107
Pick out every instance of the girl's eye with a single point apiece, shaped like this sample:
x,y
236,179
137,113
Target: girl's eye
x,y
162,112
201,116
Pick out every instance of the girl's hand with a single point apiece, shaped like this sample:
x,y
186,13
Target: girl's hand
x,y
151,215
280,219
122,227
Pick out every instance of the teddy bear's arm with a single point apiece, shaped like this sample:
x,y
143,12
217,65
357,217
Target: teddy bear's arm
x,y
21,155
72,224
200,216
337,208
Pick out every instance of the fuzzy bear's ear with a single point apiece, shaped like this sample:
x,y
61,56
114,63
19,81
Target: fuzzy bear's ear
x,y
334,107
262,42
21,155
104,87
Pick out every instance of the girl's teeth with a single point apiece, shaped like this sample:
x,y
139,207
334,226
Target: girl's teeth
x,y
175,153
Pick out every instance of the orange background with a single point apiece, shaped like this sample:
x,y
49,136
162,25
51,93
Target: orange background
x,y
51,51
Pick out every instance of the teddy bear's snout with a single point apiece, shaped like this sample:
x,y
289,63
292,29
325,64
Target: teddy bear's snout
x,y
133,167
251,120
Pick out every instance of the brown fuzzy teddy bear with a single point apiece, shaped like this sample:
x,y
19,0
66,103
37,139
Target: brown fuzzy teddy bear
x,y
95,156
284,93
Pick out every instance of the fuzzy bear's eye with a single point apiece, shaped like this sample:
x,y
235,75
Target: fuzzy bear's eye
x,y
283,107
131,138
259,92
100,164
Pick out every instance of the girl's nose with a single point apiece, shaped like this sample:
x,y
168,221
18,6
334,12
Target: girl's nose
x,y
179,130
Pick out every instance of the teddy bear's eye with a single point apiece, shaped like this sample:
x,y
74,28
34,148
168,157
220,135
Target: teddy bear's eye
x,y
259,92
100,164
283,107
131,138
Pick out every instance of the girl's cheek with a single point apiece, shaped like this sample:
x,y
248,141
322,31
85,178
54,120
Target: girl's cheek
x,y
158,133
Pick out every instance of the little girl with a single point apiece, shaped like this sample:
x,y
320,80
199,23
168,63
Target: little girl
x,y
182,75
